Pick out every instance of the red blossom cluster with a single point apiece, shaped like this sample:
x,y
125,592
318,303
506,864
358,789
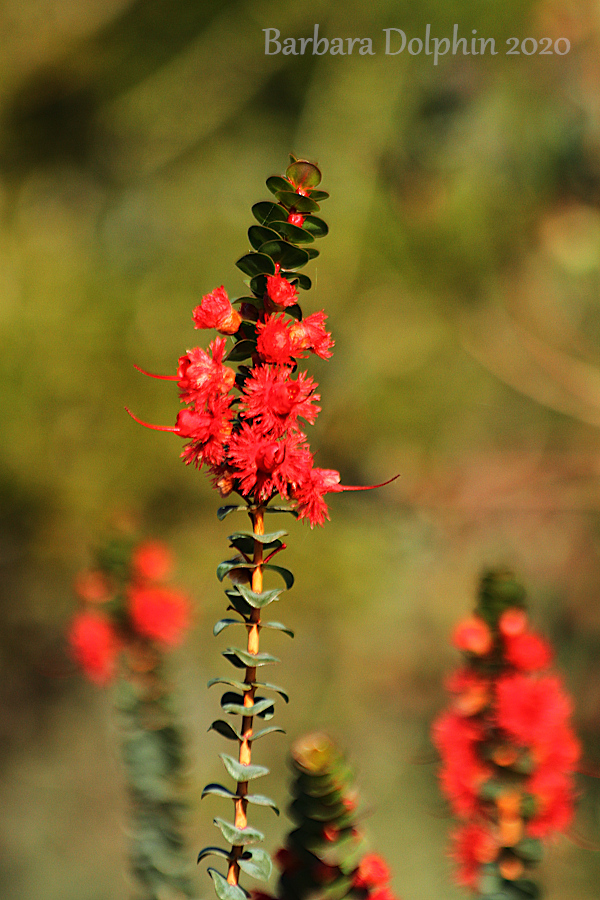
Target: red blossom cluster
x,y
507,747
126,607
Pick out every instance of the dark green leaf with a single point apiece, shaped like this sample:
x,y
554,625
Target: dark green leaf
x,y
238,603
529,889
288,256
281,509
312,254
225,730
256,264
264,731
258,234
240,685
304,281
529,849
242,659
224,890
273,687
261,800
267,212
259,601
297,202
228,565
276,183
315,226
303,174
241,350
223,623
285,574
238,836
256,862
224,511
240,772
279,626
213,851
294,311
219,791
319,195
234,704
294,233
259,538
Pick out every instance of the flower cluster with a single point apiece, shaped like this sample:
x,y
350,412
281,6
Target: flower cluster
x,y
247,426
125,607
507,747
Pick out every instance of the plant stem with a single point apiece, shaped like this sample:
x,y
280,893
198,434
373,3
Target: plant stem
x,y
245,751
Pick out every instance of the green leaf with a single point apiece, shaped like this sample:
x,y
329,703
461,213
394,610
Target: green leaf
x,y
225,730
294,233
276,183
319,195
224,511
224,890
214,851
224,623
238,836
282,509
287,255
266,212
297,202
256,862
259,538
312,254
238,603
241,772
529,889
278,626
243,349
234,704
285,574
261,800
264,731
219,791
304,281
273,687
256,264
227,565
258,284
316,226
258,234
529,849
242,659
303,174
240,685
258,601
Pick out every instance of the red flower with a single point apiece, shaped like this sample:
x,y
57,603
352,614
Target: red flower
x,y
159,613
152,560
310,334
296,219
92,586
473,692
200,375
473,635
308,494
382,893
512,621
474,846
457,739
553,791
372,871
531,710
266,466
95,646
274,344
216,311
527,651
280,291
276,400
209,430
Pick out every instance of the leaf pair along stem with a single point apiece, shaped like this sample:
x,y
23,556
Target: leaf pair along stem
x,y
245,748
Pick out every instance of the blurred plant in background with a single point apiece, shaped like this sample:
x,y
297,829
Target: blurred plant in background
x,y
507,746
129,622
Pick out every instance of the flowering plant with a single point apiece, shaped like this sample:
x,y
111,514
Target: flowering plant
x,y
130,619
507,747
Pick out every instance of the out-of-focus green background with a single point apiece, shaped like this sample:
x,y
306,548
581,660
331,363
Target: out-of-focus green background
x,y
461,279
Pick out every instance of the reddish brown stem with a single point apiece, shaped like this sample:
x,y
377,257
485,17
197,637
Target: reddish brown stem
x,y
245,752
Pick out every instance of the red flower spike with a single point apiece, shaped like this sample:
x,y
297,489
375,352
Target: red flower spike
x,y
159,613
95,646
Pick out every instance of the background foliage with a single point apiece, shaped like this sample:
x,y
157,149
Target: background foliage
x,y
461,279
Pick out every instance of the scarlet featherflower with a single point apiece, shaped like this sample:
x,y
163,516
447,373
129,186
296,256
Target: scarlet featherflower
x,y
372,872
457,739
310,334
474,846
264,465
215,311
473,635
531,710
272,397
281,292
308,494
274,343
208,429
152,560
527,651
95,646
159,613
201,375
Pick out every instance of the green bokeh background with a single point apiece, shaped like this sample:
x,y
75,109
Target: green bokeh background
x,y
461,280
